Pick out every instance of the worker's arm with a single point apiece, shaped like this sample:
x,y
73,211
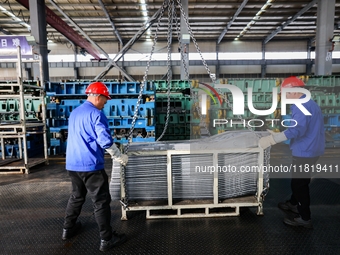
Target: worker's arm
x,y
117,155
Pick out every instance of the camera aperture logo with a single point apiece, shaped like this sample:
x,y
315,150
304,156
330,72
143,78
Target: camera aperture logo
x,y
238,105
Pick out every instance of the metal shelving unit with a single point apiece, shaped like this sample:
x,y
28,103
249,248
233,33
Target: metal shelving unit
x,y
18,130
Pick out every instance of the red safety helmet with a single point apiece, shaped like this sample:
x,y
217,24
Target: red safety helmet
x,y
291,82
98,88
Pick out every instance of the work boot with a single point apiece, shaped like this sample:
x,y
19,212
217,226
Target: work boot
x,y
298,222
116,240
287,206
70,232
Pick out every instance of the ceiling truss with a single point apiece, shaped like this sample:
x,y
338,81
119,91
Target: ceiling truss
x,y
118,21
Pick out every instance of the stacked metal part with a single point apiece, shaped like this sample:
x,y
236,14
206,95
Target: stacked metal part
x,y
146,176
63,97
235,184
183,123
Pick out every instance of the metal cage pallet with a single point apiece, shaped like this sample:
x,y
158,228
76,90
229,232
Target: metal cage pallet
x,y
174,207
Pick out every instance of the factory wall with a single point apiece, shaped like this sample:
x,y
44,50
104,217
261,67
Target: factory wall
x,y
141,51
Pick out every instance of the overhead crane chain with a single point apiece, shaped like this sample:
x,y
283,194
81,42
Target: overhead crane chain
x,y
171,10
204,62
144,78
193,95
171,14
193,38
125,200
212,77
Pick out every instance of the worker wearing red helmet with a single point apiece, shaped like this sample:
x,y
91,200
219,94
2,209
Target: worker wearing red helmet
x,y
307,143
88,138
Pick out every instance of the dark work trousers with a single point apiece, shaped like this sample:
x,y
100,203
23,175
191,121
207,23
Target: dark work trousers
x,y
301,176
97,185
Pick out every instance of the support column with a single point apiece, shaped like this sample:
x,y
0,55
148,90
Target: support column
x,y
324,35
218,62
185,39
75,69
309,59
263,62
38,27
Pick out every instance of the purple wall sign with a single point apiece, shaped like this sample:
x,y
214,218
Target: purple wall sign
x,y
9,44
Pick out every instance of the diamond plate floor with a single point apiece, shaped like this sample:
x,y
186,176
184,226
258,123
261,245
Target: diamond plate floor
x,y
32,209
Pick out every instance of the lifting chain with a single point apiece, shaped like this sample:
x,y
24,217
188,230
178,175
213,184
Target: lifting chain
x,y
125,200
192,94
171,12
212,77
172,15
145,78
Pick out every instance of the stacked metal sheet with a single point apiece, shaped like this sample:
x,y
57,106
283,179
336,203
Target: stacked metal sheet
x,y
188,184
146,176
236,184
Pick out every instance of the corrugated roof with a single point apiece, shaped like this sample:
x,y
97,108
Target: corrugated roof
x,y
209,19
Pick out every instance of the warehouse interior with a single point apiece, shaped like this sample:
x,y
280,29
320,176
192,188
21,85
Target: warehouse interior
x,y
171,67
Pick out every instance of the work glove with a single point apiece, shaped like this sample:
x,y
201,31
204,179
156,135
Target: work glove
x,y
117,155
123,159
272,139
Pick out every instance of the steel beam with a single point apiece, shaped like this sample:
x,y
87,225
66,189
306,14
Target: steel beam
x,y
92,42
5,32
111,21
129,44
61,26
280,28
240,8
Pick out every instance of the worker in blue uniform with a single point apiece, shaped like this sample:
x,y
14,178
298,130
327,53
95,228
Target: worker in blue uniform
x,y
88,138
307,143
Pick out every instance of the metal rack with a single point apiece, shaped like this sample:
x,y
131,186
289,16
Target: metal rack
x,y
212,177
19,129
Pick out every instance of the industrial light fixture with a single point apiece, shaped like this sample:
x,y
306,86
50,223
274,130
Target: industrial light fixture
x,y
31,40
255,18
336,38
145,17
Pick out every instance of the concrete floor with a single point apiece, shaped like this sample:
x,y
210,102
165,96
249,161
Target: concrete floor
x,y
32,210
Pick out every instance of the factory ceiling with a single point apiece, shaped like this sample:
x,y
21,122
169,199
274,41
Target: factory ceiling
x,y
118,21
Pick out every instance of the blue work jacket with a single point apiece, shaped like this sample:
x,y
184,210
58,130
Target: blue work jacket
x,y
88,137
308,136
